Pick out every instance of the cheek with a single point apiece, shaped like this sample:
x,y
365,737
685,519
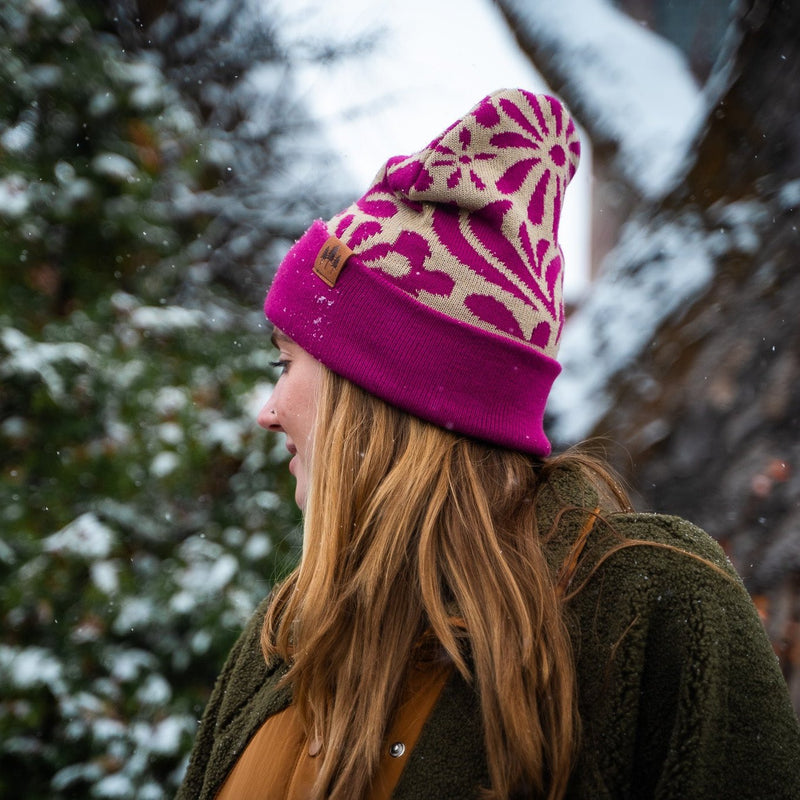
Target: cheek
x,y
309,415
297,411
310,398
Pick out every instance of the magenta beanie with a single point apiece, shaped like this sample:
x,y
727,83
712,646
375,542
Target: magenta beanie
x,y
440,290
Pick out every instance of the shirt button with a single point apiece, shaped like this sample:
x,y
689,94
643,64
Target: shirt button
x,y
396,749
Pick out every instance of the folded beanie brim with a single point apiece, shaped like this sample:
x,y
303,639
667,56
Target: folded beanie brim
x,y
368,330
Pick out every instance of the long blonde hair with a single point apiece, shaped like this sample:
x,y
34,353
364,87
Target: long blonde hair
x,y
410,529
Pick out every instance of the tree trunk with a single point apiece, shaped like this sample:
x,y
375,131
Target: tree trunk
x,y
708,414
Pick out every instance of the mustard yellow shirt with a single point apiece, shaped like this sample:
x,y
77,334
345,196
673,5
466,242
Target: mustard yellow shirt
x,y
281,762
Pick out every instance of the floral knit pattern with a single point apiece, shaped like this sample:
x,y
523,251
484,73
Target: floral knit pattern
x,y
469,225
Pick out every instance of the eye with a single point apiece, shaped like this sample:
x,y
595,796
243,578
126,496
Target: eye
x,y
282,365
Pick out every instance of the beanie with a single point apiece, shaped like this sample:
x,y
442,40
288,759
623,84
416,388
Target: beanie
x,y
440,289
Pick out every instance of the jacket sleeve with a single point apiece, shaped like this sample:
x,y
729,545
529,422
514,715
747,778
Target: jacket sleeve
x,y
681,694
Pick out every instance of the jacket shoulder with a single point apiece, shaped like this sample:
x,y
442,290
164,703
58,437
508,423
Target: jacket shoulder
x,y
665,543
680,692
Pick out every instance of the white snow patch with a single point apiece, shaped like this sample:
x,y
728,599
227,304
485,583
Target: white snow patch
x,y
170,433
201,641
64,172
7,555
126,665
28,357
267,500
224,433
168,732
170,400
47,8
164,463
789,195
118,432
64,778
75,192
85,536
124,303
147,97
662,270
257,546
208,580
15,427
253,401
136,72
739,221
45,76
101,103
105,576
150,791
163,737
114,166
18,138
164,320
105,728
182,602
80,705
208,569
136,612
112,786
14,198
25,668
155,691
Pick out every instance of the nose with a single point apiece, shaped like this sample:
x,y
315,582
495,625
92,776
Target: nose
x,y
267,418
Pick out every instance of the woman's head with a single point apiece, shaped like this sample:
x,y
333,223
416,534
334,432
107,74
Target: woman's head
x,y
434,304
439,290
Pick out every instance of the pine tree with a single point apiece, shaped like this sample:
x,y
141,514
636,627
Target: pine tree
x,y
143,514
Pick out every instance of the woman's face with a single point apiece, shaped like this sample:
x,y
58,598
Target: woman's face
x,y
292,407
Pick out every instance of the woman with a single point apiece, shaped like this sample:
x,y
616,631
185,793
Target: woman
x,y
472,617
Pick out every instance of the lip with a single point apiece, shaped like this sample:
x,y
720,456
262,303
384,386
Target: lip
x,y
293,452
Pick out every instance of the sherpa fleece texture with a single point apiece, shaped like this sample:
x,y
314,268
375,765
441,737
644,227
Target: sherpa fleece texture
x,y
680,693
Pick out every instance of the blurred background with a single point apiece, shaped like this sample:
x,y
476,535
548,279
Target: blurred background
x,y
157,159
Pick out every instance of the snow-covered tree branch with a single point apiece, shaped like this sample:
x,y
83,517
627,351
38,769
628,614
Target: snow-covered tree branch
x,y
685,349
631,89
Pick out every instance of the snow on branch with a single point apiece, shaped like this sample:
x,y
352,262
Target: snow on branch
x,y
659,267
630,88
658,271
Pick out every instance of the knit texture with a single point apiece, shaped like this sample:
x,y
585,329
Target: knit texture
x,y
680,693
440,289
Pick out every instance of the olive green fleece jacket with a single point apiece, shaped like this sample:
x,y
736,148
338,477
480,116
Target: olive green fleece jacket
x,y
680,693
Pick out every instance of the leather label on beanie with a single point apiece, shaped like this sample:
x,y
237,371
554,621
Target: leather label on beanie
x,y
331,260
